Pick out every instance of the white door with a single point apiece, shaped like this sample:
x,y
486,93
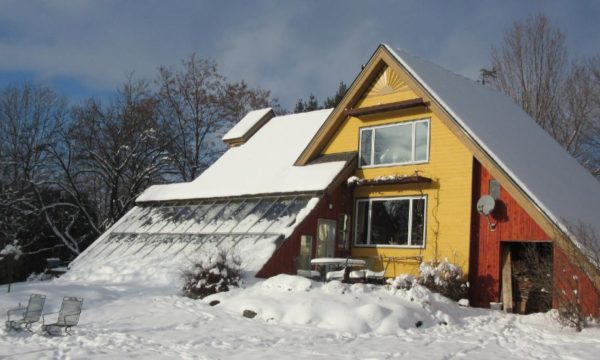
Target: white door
x,y
326,238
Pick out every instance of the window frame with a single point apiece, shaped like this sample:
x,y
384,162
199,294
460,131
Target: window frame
x,y
413,123
410,222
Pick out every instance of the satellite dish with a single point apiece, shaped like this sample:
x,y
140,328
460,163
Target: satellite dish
x,y
485,205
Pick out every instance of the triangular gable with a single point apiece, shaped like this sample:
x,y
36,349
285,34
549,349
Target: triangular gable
x,y
385,58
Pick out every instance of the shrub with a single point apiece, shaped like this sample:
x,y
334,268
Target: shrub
x,y
215,274
441,277
403,281
445,278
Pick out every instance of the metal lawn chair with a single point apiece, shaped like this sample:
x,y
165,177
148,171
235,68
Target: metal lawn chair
x,y
68,316
29,315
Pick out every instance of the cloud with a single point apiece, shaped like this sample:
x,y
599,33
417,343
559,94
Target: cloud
x,y
292,48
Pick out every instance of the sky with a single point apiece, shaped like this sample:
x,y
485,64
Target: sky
x,y
293,48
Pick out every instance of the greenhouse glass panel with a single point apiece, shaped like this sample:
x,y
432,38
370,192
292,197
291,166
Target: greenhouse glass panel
x,y
254,216
225,213
201,220
131,217
150,219
163,243
270,216
138,241
166,215
136,219
288,217
183,214
197,211
238,215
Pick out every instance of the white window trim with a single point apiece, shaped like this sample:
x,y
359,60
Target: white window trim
x,y
414,150
410,215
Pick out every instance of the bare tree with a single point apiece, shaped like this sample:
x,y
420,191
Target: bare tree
x,y
532,66
198,105
114,152
30,119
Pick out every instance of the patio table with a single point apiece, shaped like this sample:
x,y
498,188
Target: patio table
x,y
324,263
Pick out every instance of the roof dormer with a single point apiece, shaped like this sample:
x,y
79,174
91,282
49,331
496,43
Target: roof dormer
x,y
248,126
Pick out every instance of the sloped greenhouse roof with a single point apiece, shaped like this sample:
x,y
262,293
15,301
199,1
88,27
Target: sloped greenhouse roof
x,y
153,244
551,177
262,165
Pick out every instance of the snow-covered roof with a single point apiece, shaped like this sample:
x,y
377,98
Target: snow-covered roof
x,y
248,123
262,165
552,178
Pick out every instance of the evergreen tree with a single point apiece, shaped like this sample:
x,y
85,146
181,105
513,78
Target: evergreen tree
x,y
332,102
313,104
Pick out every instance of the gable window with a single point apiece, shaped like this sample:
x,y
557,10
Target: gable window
x,y
390,222
403,143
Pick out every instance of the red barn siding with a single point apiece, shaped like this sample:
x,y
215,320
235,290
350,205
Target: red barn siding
x,y
512,224
565,283
282,261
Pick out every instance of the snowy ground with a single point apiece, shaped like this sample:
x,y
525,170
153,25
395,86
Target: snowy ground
x,y
296,319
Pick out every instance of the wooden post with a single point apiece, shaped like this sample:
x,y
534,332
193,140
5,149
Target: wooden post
x,y
507,293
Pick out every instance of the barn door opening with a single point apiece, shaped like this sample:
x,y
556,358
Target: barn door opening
x,y
527,276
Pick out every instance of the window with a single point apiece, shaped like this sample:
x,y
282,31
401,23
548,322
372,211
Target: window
x,y
343,231
306,245
403,143
390,222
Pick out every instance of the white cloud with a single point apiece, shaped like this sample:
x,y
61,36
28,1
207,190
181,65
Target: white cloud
x,y
292,48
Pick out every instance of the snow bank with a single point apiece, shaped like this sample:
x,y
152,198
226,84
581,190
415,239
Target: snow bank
x,y
115,262
141,322
357,308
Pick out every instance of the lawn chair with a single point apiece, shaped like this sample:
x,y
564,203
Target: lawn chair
x,y
30,314
68,316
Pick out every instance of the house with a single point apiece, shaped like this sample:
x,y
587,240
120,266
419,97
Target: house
x,y
395,174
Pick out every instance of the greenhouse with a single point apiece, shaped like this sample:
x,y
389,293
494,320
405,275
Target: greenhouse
x,y
163,235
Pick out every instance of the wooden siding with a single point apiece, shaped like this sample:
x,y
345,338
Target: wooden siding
x,y
514,224
448,194
282,261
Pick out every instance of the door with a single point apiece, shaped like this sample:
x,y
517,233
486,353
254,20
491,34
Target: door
x,y
326,238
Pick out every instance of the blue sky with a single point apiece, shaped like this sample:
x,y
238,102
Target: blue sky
x,y
87,48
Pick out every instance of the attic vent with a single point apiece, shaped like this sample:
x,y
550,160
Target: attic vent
x,y
250,124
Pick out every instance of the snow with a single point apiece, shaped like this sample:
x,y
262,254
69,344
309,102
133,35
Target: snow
x,y
11,249
153,245
240,129
262,165
554,180
296,319
326,260
160,263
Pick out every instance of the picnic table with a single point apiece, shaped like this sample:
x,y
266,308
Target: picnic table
x,y
341,265
338,261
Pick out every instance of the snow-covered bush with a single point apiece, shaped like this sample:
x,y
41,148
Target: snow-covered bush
x,y
441,277
11,249
445,278
403,281
39,277
215,274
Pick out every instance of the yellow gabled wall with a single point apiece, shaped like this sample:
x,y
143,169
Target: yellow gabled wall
x,y
448,196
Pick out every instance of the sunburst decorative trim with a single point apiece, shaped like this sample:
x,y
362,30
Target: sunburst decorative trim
x,y
388,82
